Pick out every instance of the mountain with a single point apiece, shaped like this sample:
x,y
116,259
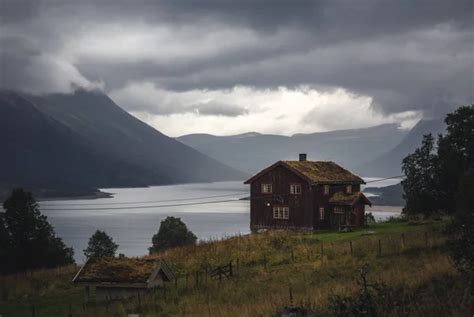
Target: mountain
x,y
250,152
81,141
389,163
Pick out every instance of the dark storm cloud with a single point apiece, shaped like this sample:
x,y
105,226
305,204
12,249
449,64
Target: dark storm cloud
x,y
407,55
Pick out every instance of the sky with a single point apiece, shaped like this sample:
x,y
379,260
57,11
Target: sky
x,y
228,67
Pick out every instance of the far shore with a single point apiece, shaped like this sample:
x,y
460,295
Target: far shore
x,y
382,208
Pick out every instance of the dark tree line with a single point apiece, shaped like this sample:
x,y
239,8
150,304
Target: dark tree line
x,y
27,240
435,170
440,180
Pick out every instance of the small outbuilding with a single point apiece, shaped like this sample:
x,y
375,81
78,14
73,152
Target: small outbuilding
x,y
120,278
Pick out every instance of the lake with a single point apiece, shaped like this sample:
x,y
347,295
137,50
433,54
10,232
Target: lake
x,y
132,216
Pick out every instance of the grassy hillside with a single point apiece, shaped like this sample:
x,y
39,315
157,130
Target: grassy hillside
x,y
271,271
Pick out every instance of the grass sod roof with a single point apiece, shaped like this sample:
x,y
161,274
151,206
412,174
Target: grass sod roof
x,y
321,172
343,198
118,270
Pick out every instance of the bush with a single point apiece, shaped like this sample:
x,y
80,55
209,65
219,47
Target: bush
x,y
100,245
172,233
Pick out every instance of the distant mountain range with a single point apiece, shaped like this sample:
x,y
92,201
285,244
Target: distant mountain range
x,y
69,144
371,152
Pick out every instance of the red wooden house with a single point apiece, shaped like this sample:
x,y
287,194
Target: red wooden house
x,y
306,195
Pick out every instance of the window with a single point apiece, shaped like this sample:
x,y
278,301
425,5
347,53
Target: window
x,y
281,212
326,189
349,189
339,210
267,188
295,189
321,213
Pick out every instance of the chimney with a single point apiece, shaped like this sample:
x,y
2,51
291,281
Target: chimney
x,y
302,157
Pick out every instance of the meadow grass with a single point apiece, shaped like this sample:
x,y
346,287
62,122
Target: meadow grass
x,y
272,270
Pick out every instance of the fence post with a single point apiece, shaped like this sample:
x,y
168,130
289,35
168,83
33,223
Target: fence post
x,y
176,282
426,239
231,272
238,266
292,256
350,244
380,247
70,310
403,241
33,310
196,278
291,296
322,251
265,261
187,278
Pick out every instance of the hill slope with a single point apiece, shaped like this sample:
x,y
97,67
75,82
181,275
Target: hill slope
x,y
85,140
389,163
251,152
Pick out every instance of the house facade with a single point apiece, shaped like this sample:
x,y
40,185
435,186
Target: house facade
x,y
306,195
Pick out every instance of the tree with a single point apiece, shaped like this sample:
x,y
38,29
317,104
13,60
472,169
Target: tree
x,y
462,245
420,186
172,233
31,240
433,174
455,153
100,245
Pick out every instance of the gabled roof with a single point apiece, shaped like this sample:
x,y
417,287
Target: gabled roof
x,y
343,198
122,270
315,172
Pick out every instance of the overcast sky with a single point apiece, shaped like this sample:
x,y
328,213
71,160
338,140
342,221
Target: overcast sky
x,y
228,67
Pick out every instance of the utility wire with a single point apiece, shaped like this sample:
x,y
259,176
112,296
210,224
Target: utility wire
x,y
141,202
144,207
166,200
383,179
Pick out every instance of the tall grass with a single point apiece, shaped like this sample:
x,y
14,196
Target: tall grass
x,y
268,267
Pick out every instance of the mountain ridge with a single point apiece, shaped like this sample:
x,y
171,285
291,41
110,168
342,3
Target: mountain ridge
x,y
106,144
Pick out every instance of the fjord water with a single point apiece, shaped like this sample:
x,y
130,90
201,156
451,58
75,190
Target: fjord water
x,y
132,216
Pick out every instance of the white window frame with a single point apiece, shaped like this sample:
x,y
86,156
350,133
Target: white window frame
x,y
349,189
267,188
339,210
326,189
295,189
281,212
321,213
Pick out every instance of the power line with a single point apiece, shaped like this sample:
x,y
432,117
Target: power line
x,y
165,200
383,179
144,207
141,202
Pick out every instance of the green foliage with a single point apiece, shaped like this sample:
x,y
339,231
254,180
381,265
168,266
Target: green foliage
x,y
420,185
433,174
100,245
462,227
172,233
369,219
28,240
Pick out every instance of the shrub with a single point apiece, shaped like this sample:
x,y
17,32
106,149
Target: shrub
x,y
172,233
